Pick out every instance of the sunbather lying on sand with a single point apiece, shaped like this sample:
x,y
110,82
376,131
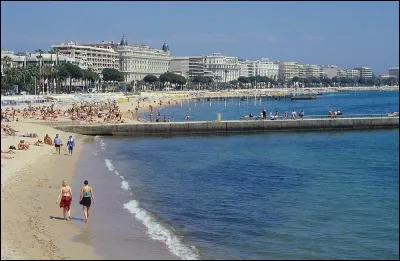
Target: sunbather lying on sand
x,y
8,130
30,135
22,145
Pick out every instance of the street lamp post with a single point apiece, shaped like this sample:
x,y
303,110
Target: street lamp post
x,y
40,71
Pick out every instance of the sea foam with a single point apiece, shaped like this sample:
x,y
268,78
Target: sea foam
x,y
102,145
125,185
109,165
158,232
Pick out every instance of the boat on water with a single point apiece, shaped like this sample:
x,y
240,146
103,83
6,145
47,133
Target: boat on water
x,y
304,97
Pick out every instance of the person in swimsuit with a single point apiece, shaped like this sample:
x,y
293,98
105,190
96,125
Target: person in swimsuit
x,y
65,199
86,198
70,144
47,140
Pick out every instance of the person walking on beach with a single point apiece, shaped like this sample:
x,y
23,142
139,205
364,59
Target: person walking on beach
x,y
65,199
70,145
57,143
86,197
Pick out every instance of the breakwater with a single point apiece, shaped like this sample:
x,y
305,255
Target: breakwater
x,y
203,127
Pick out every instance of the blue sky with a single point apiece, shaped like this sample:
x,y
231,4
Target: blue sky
x,y
347,34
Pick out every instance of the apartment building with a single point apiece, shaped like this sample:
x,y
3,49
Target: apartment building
x,y
330,71
243,69
137,61
394,72
365,72
180,65
89,56
288,70
352,73
197,67
313,71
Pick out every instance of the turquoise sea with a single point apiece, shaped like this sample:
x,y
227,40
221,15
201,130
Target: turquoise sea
x,y
291,195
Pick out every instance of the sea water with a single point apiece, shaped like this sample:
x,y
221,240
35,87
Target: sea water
x,y
292,195
349,103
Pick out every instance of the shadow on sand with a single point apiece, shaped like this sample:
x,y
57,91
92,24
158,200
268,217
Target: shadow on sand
x,y
72,218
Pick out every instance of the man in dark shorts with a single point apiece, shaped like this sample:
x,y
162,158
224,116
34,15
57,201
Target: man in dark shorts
x,y
57,143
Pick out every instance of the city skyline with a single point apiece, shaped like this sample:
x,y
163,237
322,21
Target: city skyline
x,y
346,34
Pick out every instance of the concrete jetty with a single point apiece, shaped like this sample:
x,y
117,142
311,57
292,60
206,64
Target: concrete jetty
x,y
232,126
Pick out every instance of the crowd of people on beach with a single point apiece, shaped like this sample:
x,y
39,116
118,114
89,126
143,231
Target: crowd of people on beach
x,y
85,111
95,112
31,112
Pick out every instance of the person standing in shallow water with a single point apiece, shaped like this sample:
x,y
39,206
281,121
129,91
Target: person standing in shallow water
x,y
65,199
86,198
70,145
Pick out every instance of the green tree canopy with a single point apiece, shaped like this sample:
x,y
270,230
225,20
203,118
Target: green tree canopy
x,y
111,74
150,78
243,79
172,78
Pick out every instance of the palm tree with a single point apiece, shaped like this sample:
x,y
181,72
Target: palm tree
x,y
54,72
40,58
6,60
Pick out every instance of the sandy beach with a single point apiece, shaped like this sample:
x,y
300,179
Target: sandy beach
x,y
31,222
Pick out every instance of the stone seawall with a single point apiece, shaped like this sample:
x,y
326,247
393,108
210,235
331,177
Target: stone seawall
x,y
202,127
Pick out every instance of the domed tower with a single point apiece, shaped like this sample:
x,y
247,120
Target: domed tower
x,y
165,47
123,41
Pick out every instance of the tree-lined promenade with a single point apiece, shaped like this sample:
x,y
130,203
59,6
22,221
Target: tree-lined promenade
x,y
65,77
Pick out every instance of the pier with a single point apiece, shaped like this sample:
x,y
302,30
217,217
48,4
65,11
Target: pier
x,y
232,126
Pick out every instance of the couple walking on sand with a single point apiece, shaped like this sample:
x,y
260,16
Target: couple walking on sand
x,y
65,199
58,143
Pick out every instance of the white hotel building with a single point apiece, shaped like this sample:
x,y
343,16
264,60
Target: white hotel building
x,y
261,67
223,68
137,61
88,56
266,68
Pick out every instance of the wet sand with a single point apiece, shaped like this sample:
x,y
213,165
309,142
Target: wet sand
x,y
114,232
31,222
